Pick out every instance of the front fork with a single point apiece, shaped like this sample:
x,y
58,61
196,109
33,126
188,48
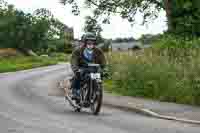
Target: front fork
x,y
91,91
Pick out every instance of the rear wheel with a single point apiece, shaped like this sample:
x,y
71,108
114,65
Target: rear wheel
x,y
97,99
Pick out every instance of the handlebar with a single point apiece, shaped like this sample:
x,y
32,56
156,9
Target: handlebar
x,y
93,65
90,65
90,68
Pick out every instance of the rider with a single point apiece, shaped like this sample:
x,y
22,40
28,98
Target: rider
x,y
87,53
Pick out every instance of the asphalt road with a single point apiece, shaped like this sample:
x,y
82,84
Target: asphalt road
x,y
25,107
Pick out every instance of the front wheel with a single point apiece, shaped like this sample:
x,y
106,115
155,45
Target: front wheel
x,y
97,99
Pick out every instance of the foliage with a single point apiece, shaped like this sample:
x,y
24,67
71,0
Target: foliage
x,y
171,41
28,62
185,18
182,15
149,39
163,74
28,31
125,8
91,25
129,39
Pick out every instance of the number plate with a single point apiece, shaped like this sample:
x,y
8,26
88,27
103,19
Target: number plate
x,y
95,75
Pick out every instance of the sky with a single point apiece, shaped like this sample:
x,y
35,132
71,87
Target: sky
x,y
117,28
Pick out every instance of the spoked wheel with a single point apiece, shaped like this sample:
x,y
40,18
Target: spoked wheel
x,y
98,97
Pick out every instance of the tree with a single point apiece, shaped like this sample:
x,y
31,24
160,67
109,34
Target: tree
x,y
186,20
91,25
26,31
148,39
125,8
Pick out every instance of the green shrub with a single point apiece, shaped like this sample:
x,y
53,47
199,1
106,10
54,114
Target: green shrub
x,y
169,41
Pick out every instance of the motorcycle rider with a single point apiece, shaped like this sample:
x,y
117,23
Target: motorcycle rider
x,y
87,53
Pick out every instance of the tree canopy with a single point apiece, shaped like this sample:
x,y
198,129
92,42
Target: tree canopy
x,y
91,25
182,15
25,31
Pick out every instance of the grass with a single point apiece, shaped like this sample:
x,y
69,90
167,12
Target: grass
x,y
171,75
10,64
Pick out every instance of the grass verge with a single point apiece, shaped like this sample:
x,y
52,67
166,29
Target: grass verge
x,y
10,64
171,75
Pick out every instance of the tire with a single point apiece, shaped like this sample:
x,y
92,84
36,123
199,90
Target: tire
x,y
96,106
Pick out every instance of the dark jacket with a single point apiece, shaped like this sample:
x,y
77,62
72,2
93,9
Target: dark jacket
x,y
77,59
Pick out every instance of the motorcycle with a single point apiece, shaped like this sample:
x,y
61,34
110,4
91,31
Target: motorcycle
x,y
91,90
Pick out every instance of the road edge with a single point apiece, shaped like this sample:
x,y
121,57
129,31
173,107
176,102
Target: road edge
x,y
149,113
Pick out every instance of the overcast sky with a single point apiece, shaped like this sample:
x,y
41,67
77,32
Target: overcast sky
x,y
117,28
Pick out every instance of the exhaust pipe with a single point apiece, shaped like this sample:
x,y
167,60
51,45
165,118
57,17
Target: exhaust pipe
x,y
71,102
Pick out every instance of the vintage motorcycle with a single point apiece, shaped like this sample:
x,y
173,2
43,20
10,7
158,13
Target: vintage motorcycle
x,y
91,90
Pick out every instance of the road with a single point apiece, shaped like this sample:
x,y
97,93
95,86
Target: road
x,y
25,107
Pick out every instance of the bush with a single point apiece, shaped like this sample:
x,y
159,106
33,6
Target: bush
x,y
169,41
